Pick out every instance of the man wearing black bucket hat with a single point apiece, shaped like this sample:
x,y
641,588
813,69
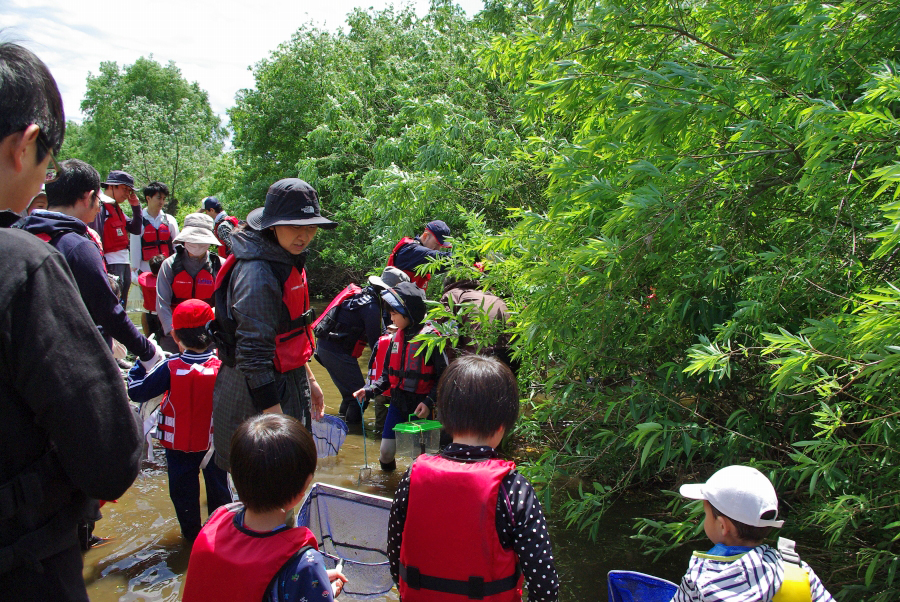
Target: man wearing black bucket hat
x,y
263,326
114,227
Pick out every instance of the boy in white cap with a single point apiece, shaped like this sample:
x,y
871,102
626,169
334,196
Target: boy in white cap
x,y
741,508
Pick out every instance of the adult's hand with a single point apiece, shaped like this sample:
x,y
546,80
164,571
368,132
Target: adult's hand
x,y
317,397
133,199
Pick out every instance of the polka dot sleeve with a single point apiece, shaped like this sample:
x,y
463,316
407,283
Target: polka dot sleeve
x,y
521,526
395,525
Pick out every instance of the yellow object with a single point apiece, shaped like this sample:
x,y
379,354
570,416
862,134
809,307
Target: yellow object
x,y
795,587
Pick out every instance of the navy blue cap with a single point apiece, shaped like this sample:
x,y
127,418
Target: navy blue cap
x,y
211,202
440,230
118,177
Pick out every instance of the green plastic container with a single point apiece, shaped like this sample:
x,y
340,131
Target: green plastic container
x,y
417,437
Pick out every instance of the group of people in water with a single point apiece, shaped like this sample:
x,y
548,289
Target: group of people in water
x,y
239,397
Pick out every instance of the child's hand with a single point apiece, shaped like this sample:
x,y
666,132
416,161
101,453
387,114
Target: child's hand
x,y
422,410
337,581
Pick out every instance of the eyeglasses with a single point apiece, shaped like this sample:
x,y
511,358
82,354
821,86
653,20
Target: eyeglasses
x,y
53,168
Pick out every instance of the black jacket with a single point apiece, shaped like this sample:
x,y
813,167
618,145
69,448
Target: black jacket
x,y
69,236
62,398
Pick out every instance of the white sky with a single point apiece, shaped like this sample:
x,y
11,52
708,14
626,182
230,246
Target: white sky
x,y
213,42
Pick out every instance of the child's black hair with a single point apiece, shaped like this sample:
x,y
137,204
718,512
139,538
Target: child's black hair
x,y
477,395
155,263
748,532
272,456
194,338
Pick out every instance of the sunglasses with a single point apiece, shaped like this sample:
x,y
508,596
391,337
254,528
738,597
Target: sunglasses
x,y
53,168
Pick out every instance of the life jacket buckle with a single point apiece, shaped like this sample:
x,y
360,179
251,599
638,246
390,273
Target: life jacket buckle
x,y
476,588
413,577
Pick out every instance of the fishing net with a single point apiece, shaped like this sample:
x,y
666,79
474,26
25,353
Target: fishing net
x,y
329,434
631,586
352,526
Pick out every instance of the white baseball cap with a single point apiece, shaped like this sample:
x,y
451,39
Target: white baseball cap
x,y
741,493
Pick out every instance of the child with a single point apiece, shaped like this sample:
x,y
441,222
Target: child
x,y
185,416
497,533
741,507
410,379
377,361
245,551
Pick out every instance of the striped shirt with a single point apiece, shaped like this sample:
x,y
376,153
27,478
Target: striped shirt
x,y
753,577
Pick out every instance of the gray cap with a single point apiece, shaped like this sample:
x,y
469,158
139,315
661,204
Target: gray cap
x,y
390,278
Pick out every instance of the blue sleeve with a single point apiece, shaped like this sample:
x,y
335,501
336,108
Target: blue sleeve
x,y
143,387
86,264
303,577
413,255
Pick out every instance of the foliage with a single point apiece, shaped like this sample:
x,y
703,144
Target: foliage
x,y
392,121
715,181
148,120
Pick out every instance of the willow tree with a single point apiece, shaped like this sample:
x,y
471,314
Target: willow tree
x,y
713,280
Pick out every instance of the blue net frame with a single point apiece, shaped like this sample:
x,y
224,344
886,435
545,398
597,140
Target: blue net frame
x,y
632,586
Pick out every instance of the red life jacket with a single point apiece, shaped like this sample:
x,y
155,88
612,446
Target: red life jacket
x,y
147,281
229,564
471,556
223,250
327,322
293,339
420,281
406,370
185,416
202,286
155,240
115,237
378,361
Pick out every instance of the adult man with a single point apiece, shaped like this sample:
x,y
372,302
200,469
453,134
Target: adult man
x,y
158,230
114,227
73,200
188,274
223,223
352,320
67,432
410,253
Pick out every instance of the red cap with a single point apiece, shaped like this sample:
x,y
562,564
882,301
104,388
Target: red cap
x,y
192,313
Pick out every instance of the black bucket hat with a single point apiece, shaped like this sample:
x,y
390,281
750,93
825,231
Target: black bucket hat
x,y
289,202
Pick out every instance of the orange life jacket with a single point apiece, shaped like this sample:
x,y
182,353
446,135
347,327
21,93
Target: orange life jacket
x,y
293,339
115,237
185,416
202,286
472,563
229,564
406,369
155,240
420,281
376,365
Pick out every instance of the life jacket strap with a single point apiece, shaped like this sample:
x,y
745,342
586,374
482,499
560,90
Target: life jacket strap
x,y
303,320
475,588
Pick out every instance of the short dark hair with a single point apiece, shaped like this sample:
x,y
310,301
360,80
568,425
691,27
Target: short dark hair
x,y
748,532
272,456
194,338
29,94
154,188
76,178
155,263
477,395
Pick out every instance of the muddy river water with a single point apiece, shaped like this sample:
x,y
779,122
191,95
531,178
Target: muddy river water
x,y
146,558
